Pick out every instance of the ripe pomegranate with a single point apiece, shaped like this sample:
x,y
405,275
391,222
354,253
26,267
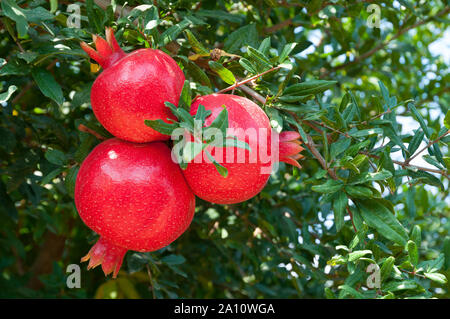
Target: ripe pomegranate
x,y
248,174
132,88
135,197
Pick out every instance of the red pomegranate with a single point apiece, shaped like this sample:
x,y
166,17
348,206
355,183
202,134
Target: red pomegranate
x,y
132,88
248,172
135,197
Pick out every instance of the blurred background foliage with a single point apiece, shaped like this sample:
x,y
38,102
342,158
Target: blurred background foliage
x,y
311,233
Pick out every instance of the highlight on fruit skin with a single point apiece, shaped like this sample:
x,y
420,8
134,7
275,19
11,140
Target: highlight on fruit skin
x,y
290,148
107,51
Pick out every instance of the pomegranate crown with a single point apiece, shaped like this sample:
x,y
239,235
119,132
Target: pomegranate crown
x,y
107,51
290,148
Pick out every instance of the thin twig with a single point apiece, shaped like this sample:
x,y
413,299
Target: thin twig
x,y
238,84
151,281
407,165
84,128
351,218
427,146
383,44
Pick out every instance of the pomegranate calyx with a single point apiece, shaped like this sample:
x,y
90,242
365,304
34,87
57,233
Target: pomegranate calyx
x,y
290,148
106,254
107,51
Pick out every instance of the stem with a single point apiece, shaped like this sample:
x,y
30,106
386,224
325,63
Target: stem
x,y
351,218
84,128
238,84
427,146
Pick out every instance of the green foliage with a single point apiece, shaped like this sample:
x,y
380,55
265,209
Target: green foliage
x,y
371,106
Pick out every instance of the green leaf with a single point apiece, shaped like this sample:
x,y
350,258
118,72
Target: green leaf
x,y
221,169
50,176
48,85
53,6
353,256
225,74
351,291
369,177
386,268
221,121
6,95
416,235
259,58
379,217
339,205
310,87
339,146
246,64
399,285
246,35
17,14
413,253
185,97
420,119
70,180
55,157
173,259
330,186
195,44
172,33
161,126
447,120
363,133
436,277
358,191
415,142
286,51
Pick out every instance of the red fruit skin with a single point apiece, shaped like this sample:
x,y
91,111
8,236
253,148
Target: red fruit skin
x,y
133,195
244,180
134,89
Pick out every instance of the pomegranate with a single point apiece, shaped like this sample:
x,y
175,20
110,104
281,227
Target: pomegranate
x,y
135,197
132,88
248,174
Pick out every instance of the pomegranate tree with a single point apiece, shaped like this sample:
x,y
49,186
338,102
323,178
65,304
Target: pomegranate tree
x,y
132,88
135,197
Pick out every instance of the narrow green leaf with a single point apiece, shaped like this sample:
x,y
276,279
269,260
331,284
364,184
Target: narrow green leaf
x,y
195,44
286,51
379,217
48,85
225,74
246,64
355,255
185,97
339,204
413,253
259,58
330,186
310,87
386,268
358,191
436,277
221,169
363,133
161,126
55,157
420,119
